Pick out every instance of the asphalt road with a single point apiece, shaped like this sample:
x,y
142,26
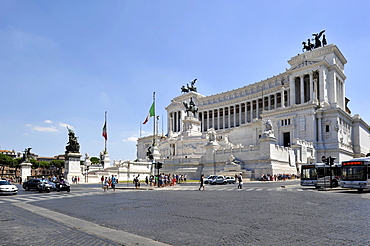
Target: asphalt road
x,y
262,213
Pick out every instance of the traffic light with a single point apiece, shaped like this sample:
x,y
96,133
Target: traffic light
x,y
330,161
159,165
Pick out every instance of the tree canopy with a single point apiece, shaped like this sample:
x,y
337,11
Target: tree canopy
x,y
94,160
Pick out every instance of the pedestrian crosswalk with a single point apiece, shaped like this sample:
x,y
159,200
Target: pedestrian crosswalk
x,y
35,197
231,188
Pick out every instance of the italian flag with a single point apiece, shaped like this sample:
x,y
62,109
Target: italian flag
x,y
104,133
151,113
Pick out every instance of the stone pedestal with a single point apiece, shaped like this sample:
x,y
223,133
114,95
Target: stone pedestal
x,y
211,147
155,152
191,126
25,170
72,166
105,160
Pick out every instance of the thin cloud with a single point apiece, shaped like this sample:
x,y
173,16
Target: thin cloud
x,y
61,124
48,121
45,129
130,139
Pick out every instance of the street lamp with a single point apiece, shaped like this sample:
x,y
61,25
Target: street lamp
x,y
87,174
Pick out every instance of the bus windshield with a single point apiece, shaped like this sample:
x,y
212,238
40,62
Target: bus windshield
x,y
354,173
309,174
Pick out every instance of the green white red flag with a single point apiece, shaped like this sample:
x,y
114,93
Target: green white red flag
x,y
104,133
150,114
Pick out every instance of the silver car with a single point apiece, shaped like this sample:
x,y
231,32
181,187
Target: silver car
x,y
219,180
209,179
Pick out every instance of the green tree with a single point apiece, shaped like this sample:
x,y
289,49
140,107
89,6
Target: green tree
x,y
5,161
17,164
94,160
44,164
58,164
35,164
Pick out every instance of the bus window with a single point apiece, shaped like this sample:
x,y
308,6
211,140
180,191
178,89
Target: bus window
x,y
353,173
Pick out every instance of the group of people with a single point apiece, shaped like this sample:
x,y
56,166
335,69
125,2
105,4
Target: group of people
x,y
109,182
277,177
168,179
75,180
162,180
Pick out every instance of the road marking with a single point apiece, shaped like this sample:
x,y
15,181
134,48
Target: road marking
x,y
121,237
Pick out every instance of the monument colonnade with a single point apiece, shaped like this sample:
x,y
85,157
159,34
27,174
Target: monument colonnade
x,y
305,88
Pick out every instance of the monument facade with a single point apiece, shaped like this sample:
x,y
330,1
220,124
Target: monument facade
x,y
271,127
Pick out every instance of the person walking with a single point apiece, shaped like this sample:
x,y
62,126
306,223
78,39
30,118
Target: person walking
x,y
137,181
201,182
105,184
240,181
114,182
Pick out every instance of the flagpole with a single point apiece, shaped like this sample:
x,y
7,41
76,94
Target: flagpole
x,y
140,130
105,139
154,143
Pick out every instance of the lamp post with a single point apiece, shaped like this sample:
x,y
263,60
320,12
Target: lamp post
x,y
87,174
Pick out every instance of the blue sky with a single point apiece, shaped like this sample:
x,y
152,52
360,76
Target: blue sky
x,y
64,63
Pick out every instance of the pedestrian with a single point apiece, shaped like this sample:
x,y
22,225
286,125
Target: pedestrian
x,y
240,181
201,182
105,184
114,182
137,181
102,181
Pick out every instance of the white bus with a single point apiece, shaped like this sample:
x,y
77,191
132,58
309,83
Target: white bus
x,y
356,174
320,175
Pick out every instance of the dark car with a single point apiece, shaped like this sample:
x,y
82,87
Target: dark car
x,y
35,184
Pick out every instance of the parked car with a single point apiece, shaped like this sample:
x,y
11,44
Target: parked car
x,y
209,179
39,184
218,180
230,180
7,188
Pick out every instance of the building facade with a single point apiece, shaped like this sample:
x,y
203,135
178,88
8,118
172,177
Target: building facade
x,y
269,127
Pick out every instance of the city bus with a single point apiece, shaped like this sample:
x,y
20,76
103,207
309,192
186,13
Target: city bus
x,y
356,174
320,175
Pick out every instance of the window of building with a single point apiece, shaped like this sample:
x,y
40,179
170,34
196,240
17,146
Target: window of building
x,y
285,122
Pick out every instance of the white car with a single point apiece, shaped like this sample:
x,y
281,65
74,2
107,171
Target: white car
x,y
209,179
218,180
7,188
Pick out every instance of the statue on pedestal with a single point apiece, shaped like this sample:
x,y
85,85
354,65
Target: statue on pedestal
x,y
318,43
190,107
233,161
26,155
189,88
268,130
211,135
72,146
